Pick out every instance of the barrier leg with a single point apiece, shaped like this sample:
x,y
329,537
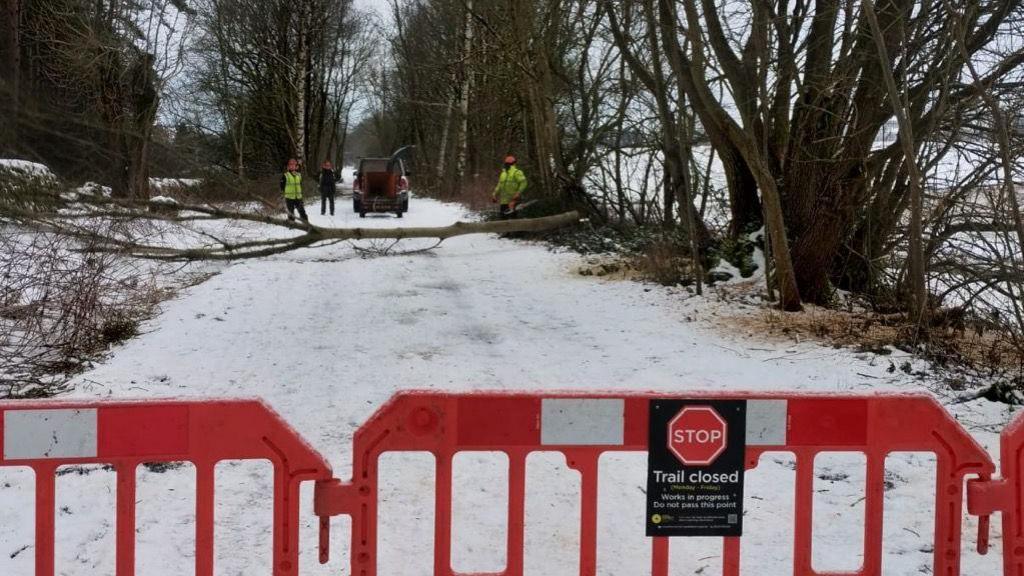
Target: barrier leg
x,y
126,518
731,556
286,520
948,496
516,513
804,513
659,556
46,503
874,512
204,518
586,463
443,516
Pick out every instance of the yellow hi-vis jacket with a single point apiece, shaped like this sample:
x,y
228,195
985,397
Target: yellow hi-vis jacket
x,y
511,183
293,186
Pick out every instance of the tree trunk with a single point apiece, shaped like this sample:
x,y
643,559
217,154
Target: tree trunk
x,y
138,165
744,203
343,144
239,141
785,261
543,151
553,176
12,70
813,251
315,235
442,152
300,63
854,268
918,285
467,87
144,100
685,192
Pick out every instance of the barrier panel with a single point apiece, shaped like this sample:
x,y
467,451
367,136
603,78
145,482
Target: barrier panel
x,y
1006,496
584,426
47,435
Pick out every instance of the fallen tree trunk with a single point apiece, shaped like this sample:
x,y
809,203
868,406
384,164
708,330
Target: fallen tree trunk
x,y
85,224
315,235
457,229
214,247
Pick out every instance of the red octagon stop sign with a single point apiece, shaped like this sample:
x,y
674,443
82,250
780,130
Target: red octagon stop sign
x,y
697,435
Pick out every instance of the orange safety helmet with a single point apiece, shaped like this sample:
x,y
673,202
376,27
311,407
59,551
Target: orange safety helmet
x,y
510,159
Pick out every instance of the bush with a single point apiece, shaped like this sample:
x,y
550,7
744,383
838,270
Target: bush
x,y
624,240
118,329
666,262
653,252
62,306
27,186
740,253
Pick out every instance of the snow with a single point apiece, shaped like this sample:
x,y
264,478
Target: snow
x,y
94,189
326,335
161,183
725,267
25,166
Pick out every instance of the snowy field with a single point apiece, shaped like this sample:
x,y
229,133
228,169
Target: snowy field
x,y
326,336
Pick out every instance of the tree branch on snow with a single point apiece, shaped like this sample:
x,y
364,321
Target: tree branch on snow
x,y
91,209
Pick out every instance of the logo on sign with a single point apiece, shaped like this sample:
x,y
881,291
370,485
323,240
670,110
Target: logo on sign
x,y
697,435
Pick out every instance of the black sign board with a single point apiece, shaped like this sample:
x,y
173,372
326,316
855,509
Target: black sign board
x,y
695,465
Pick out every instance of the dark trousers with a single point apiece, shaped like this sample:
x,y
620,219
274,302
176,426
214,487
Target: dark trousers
x,y
326,197
293,205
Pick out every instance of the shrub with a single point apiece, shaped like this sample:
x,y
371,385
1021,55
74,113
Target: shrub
x,y
27,186
118,329
666,262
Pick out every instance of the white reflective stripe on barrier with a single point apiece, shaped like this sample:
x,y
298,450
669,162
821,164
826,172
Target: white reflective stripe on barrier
x,y
43,434
766,422
582,422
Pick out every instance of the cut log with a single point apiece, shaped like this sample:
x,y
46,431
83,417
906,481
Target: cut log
x,y
457,229
313,235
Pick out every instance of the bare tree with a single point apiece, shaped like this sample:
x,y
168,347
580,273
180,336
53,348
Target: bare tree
x,y
919,300
11,74
466,88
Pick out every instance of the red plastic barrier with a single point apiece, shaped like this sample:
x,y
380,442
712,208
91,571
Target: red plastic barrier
x,y
47,435
1005,495
518,424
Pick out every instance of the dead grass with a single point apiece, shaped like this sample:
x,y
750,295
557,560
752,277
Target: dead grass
x,y
666,263
476,194
661,269
955,339
662,262
611,268
63,305
878,333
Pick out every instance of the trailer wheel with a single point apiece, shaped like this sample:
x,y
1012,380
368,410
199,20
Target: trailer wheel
x,y
362,214
399,213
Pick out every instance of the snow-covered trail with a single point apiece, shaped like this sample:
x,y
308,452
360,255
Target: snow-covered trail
x,y
326,336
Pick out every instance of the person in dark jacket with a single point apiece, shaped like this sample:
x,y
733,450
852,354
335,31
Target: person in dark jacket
x,y
327,181
291,186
